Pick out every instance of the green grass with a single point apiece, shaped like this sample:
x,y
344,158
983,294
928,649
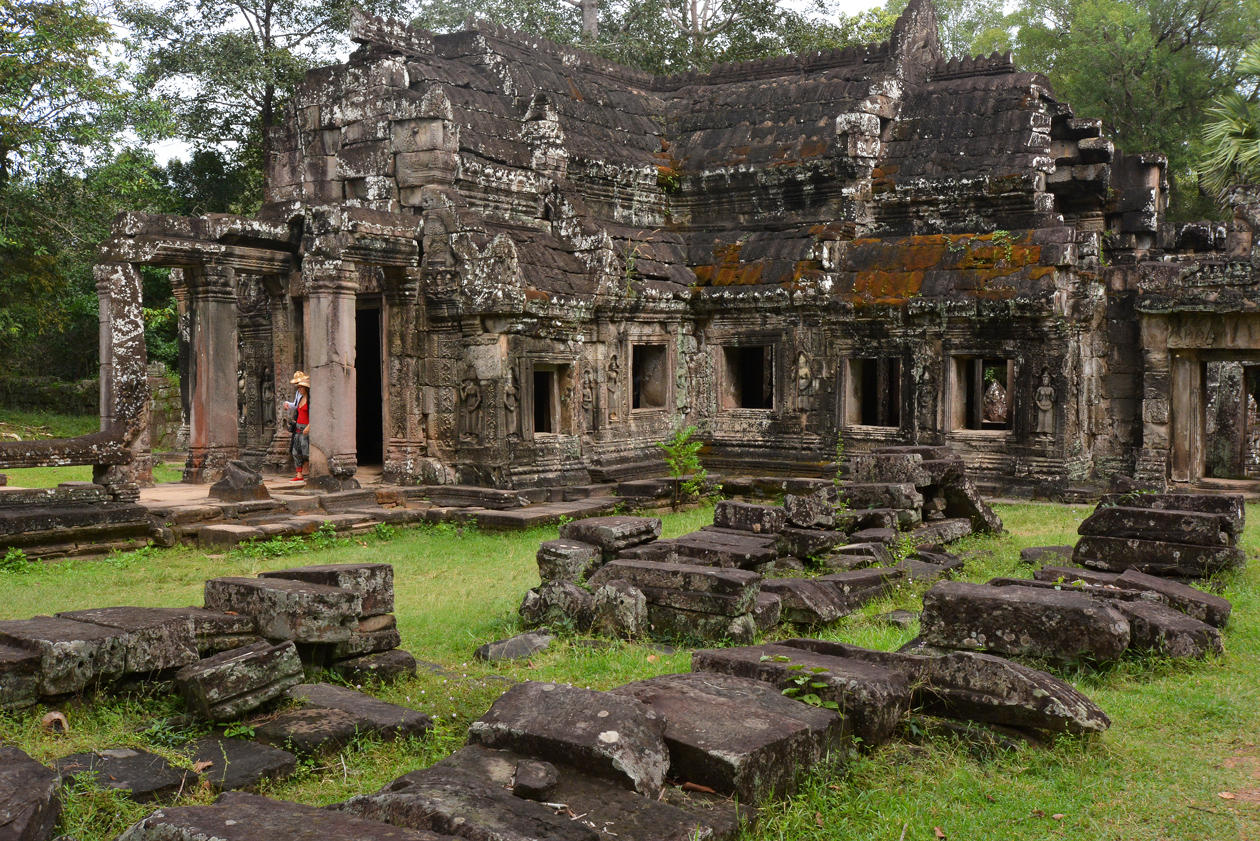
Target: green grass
x,y
1181,733
32,426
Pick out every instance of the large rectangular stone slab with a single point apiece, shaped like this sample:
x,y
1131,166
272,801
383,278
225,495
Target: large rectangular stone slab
x,y
1160,629
237,816
566,560
73,655
1229,507
607,735
156,639
19,677
285,609
667,622
872,697
144,776
229,684
736,735
860,495
725,548
372,583
1156,557
1052,624
232,764
30,802
373,715
1069,575
809,543
746,516
807,601
1157,524
737,583
1206,607
612,534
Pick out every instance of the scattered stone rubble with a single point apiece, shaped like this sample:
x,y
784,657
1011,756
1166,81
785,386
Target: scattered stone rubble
x,y
727,581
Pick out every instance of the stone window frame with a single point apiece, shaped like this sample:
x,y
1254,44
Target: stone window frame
x,y
852,399
666,346
774,343
954,360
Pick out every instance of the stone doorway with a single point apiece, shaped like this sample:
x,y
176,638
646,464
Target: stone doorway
x,y
1231,432
369,394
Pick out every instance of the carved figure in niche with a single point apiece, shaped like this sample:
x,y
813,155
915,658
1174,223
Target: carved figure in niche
x,y
588,399
804,377
614,385
1044,399
470,399
996,406
512,404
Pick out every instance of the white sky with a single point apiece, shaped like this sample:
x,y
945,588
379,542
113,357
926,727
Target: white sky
x,y
165,150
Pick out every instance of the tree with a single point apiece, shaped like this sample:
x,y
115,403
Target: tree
x,y
59,92
1231,137
967,27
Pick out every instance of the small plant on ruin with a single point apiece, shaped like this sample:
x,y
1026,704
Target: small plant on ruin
x,y
15,560
239,729
902,548
682,457
841,505
325,537
1006,241
384,531
805,684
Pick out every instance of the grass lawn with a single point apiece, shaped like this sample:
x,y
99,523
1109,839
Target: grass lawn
x,y
32,426
1182,737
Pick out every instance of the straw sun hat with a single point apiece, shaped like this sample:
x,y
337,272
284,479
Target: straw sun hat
x,y
300,378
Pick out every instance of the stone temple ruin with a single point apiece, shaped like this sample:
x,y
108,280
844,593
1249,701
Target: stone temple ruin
x,y
511,264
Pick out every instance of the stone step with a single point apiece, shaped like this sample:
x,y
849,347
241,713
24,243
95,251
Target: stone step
x,y
471,496
543,514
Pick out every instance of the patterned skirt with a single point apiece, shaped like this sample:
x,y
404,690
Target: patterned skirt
x,y
300,446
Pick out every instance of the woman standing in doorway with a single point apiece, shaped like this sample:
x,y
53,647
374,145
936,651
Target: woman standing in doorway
x,y
300,424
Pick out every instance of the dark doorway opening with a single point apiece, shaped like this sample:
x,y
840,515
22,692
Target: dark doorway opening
x,y
544,390
749,377
369,423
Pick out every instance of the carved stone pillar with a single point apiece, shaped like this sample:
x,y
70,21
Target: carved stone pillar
x,y
284,345
329,343
124,377
406,446
213,434
183,336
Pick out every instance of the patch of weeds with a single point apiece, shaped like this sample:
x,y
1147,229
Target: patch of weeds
x,y
275,547
15,561
239,729
325,537
385,531
168,733
805,683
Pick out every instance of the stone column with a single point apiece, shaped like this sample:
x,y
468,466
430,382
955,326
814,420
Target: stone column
x,y
179,291
213,433
124,380
284,364
329,342
406,445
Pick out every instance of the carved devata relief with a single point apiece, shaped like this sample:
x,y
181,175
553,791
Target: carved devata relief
x,y
512,404
1044,399
470,406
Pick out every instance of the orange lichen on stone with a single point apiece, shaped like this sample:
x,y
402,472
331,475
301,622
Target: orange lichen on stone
x,y
727,270
813,149
536,295
887,287
574,92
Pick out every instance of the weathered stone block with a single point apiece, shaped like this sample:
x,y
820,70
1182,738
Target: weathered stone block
x,y
372,583
807,601
371,714
1155,557
767,611
250,817
514,648
1197,604
19,677
736,583
228,685
860,495
736,735
1156,524
725,548
1069,575
287,609
1053,624
558,603
607,735
240,482
619,609
963,500
566,560
384,666
534,780
1042,555
674,623
745,516
156,639
307,732
73,655
881,468
365,642
811,511
1227,506
1160,629
871,697
144,776
809,543
231,764
612,534
30,801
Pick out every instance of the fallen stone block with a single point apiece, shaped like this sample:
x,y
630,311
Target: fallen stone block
x,y
384,666
558,603
226,534
606,808
809,543
812,511
1068,575
661,551
214,630
518,647
534,780
1159,629
980,687
881,468
1205,607
877,552
362,643
567,560
156,639
285,609
605,734
237,816
372,715
738,736
232,764
19,677
618,609
240,482
940,531
871,697
745,516
1106,593
73,655
1042,555
1157,524
674,623
308,732
963,500
229,684
30,801
1156,557
737,583
807,601
863,495
916,570
1053,624
699,602
613,534
372,583
857,587
767,611
144,776
886,536
1229,507
725,548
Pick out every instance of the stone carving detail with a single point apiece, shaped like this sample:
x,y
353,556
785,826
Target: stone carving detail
x,y
1044,399
470,406
512,405
614,388
996,406
588,400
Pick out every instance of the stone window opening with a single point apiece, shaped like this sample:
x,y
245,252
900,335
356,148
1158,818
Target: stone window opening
x,y
650,377
550,409
983,392
873,396
748,381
